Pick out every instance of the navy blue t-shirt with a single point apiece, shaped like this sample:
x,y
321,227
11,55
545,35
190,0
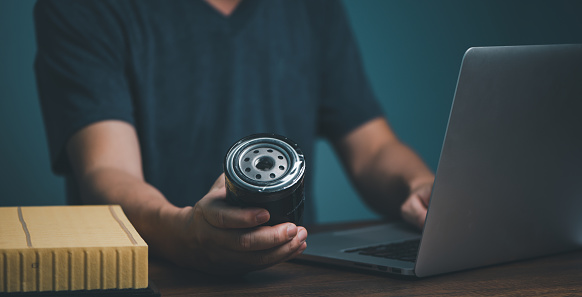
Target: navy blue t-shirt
x,y
192,82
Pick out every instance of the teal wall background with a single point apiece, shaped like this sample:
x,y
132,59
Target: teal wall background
x,y
25,176
412,52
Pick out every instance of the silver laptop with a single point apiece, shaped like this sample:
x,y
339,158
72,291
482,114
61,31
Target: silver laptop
x,y
509,180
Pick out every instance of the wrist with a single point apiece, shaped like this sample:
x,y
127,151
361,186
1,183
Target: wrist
x,y
158,224
155,217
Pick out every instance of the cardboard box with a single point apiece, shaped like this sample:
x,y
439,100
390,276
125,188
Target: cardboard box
x,y
56,248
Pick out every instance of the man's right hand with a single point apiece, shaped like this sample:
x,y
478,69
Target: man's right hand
x,y
211,236
219,238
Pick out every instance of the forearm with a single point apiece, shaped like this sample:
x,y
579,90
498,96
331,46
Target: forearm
x,y
148,210
396,161
387,179
383,169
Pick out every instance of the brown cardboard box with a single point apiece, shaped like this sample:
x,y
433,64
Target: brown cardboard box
x,y
56,248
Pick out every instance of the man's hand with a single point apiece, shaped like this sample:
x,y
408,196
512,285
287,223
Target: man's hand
x,y
390,177
223,239
414,208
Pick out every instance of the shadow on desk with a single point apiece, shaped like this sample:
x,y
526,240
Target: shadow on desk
x,y
558,275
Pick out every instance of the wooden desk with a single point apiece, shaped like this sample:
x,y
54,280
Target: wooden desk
x,y
557,275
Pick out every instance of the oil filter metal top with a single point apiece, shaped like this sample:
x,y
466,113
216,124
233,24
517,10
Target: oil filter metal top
x,y
267,170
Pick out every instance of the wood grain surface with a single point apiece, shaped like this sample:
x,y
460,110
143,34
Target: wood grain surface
x,y
556,275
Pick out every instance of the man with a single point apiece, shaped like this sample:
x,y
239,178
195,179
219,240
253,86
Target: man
x,y
142,99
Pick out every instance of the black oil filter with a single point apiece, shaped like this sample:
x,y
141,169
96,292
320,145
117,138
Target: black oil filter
x,y
267,170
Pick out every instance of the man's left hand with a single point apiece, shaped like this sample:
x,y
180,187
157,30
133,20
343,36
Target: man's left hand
x,y
415,207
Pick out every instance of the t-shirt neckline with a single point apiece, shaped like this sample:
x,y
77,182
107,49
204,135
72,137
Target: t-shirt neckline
x,y
237,19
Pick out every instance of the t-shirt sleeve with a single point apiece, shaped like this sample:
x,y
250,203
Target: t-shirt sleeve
x,y
79,69
347,99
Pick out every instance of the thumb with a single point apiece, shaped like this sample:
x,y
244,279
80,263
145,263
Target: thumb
x,y
218,184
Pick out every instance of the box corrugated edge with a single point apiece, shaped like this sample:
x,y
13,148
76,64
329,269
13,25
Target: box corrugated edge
x,y
61,269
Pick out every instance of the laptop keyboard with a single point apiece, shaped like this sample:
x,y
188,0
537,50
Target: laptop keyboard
x,y
403,251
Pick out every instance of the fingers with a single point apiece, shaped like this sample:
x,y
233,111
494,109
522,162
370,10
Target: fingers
x,y
220,214
262,238
256,239
299,251
265,258
424,193
227,236
414,211
234,251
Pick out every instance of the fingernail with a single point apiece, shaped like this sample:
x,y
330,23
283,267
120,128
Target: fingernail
x,y
291,231
302,235
262,217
